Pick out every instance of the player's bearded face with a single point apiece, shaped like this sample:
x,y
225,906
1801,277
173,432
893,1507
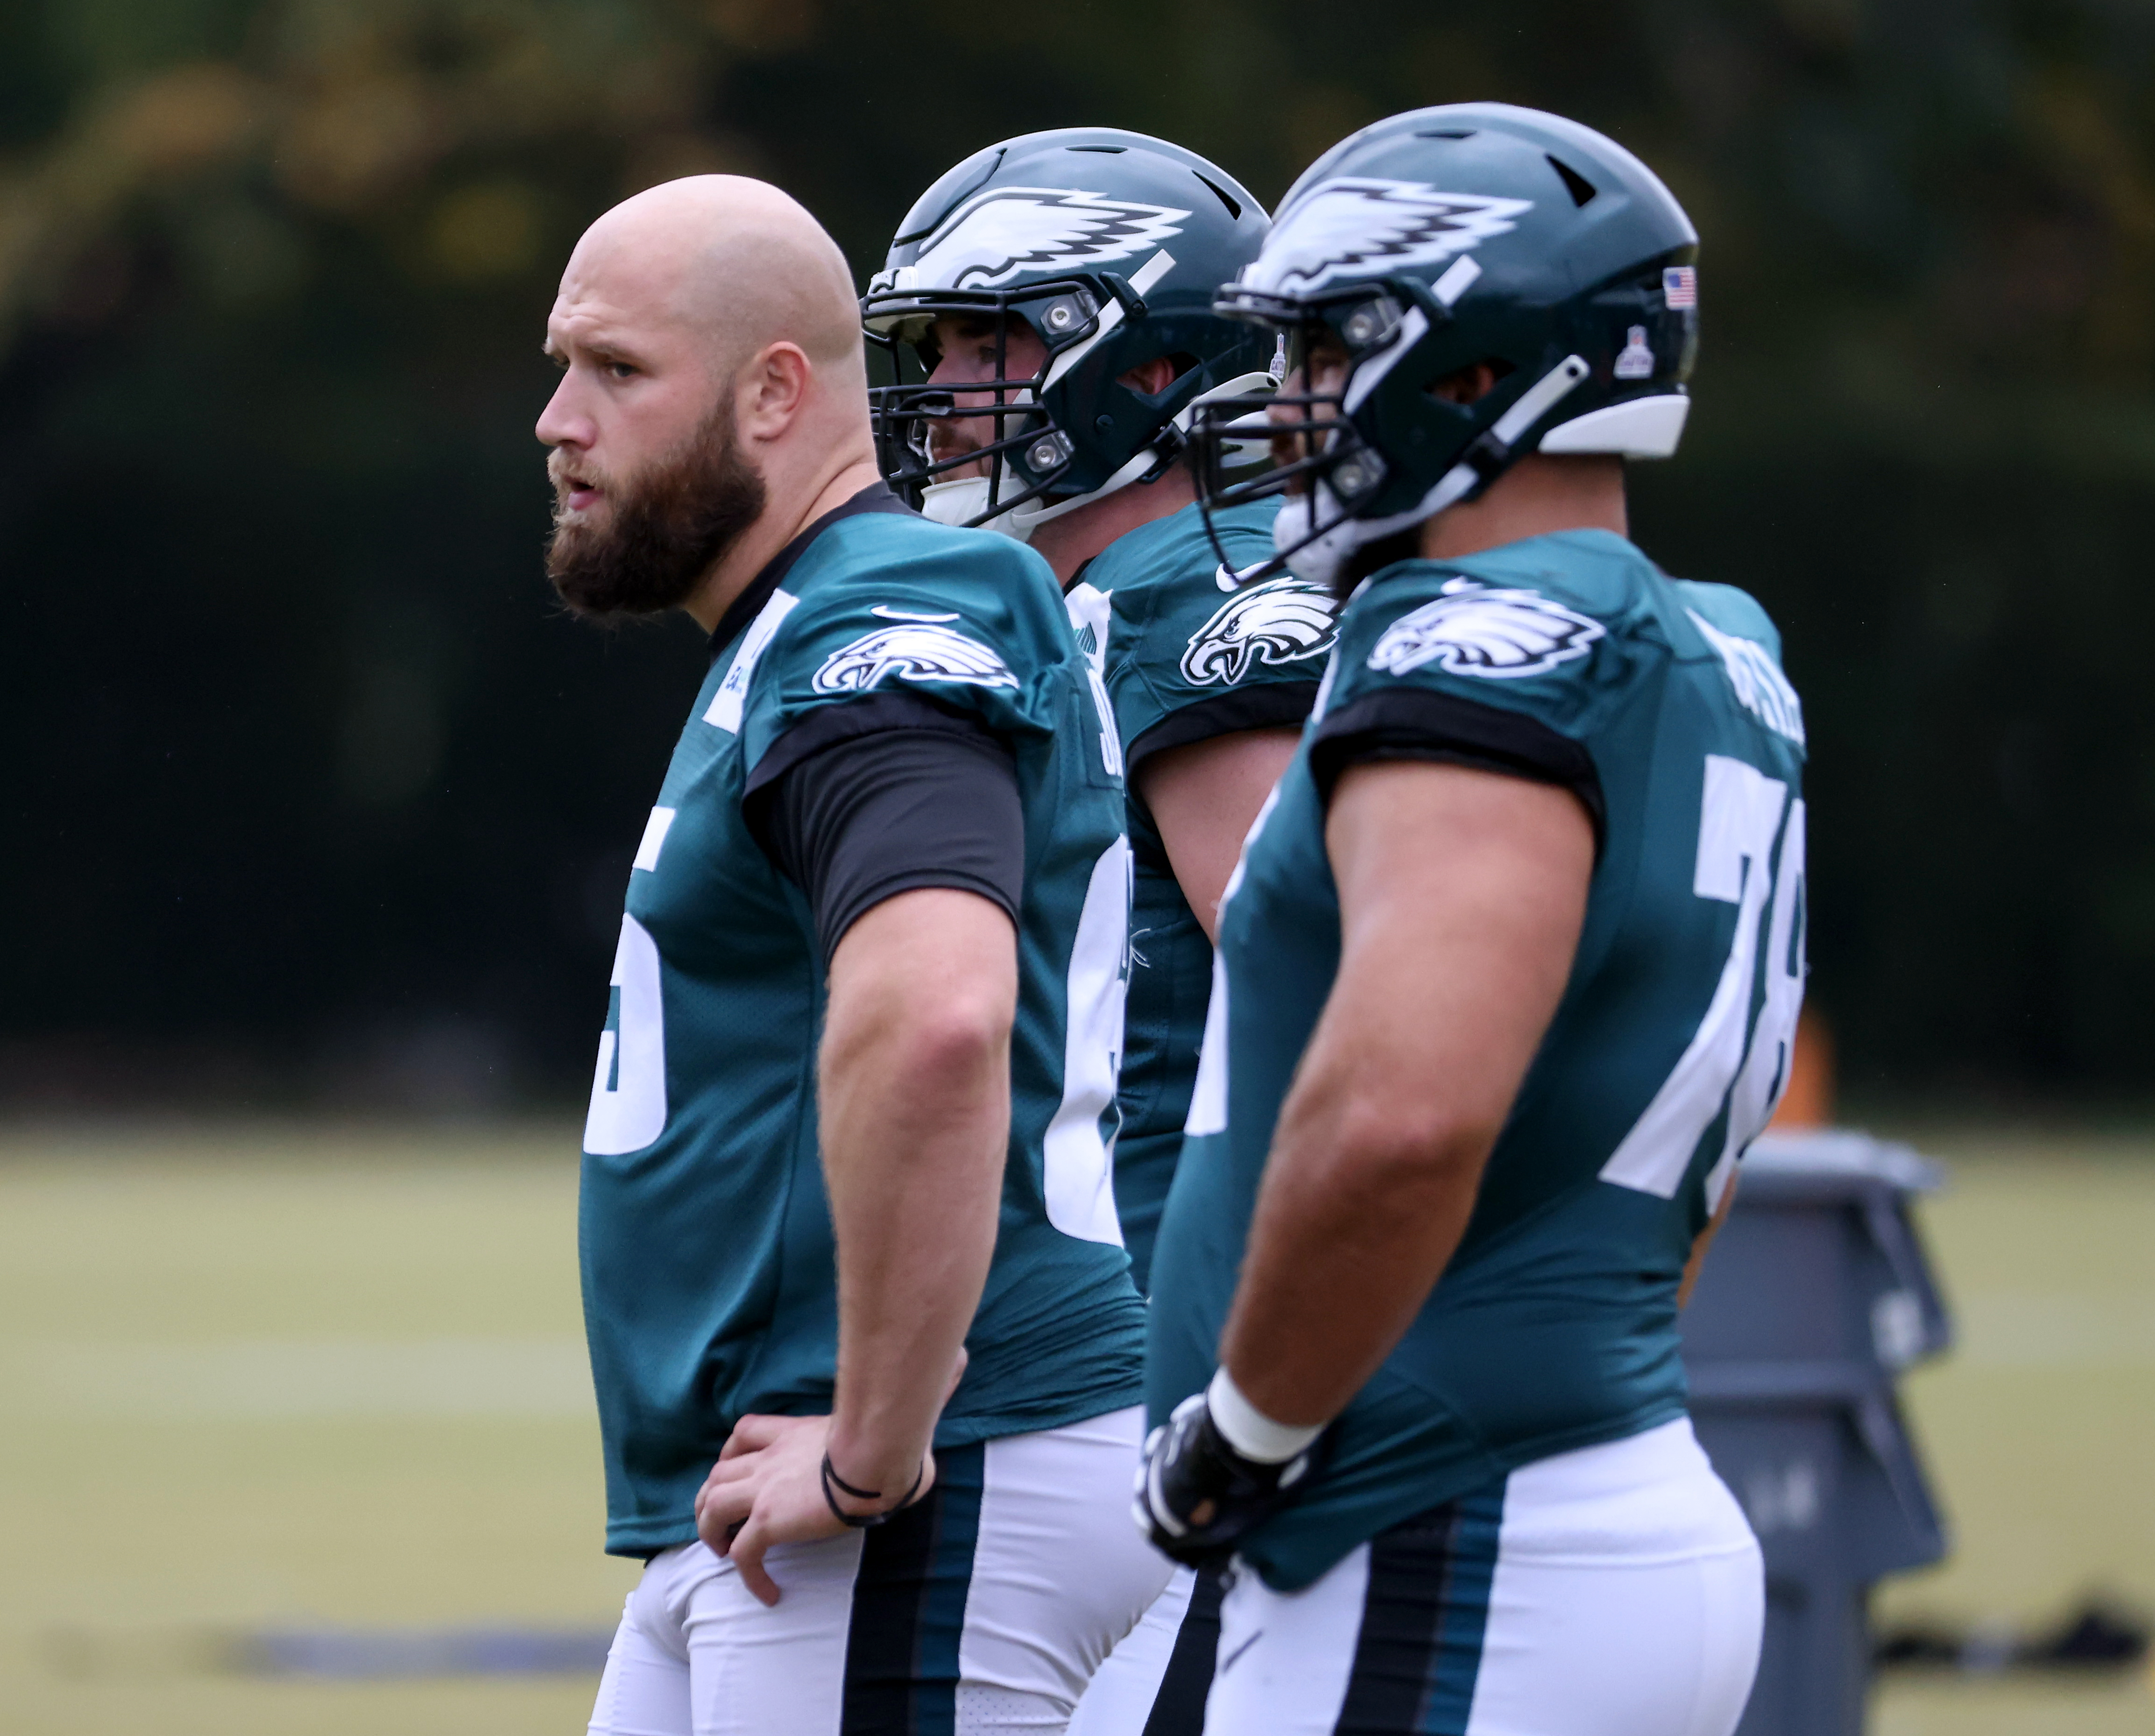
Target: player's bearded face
x,y
1324,374
659,530
969,355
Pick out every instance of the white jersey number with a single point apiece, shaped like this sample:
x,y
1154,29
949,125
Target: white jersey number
x,y
628,1090
1734,1060
1092,619
1077,1159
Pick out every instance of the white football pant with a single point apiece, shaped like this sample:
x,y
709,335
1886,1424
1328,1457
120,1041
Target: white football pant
x,y
984,1609
1613,1591
1119,1699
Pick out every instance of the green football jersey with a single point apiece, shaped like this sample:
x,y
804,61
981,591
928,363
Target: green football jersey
x,y
709,1277
1184,659
1554,1326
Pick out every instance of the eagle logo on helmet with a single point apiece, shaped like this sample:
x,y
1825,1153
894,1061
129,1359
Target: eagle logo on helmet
x,y
1342,226
1281,620
1007,230
915,650
1474,629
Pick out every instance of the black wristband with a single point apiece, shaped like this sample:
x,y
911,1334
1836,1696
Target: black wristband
x,y
865,1521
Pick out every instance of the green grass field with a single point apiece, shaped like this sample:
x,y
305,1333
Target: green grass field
x,y
287,1376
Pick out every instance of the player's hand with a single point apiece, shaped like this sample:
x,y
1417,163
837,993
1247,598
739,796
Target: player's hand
x,y
767,1487
1196,1495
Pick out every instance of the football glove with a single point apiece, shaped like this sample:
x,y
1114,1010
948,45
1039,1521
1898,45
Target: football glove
x,y
1196,1495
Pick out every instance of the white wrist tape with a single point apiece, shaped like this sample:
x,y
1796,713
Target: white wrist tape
x,y
1246,1429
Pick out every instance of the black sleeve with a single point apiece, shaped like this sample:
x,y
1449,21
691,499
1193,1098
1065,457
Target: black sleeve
x,y
1413,723
860,801
1264,704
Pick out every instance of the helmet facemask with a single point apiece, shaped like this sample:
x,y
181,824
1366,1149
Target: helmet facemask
x,y
1026,457
1106,245
1322,461
1381,451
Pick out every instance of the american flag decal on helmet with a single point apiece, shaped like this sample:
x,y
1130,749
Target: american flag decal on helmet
x,y
1680,285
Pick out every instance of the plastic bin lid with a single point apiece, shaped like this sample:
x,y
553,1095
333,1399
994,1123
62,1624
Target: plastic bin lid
x,y
1821,1153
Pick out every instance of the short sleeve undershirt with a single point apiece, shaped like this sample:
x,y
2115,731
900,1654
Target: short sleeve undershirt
x,y
1412,723
887,794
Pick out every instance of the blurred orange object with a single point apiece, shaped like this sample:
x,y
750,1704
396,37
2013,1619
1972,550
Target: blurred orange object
x,y
1808,1100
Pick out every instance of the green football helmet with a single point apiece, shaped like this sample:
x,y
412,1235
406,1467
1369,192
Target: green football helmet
x,y
1473,232
1109,245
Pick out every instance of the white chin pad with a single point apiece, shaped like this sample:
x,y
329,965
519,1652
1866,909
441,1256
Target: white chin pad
x,y
1318,562
961,502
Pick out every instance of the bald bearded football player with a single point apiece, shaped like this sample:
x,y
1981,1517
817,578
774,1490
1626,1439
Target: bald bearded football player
x,y
1054,295
866,1359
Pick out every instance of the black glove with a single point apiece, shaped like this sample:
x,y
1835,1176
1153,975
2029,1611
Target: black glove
x,y
1196,1495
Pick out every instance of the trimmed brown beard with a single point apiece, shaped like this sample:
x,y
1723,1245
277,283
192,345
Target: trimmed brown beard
x,y
665,530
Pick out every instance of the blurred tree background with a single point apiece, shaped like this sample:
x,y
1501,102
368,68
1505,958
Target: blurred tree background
x,y
310,794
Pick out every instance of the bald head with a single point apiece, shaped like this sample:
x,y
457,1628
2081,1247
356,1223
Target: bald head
x,y
714,395
733,260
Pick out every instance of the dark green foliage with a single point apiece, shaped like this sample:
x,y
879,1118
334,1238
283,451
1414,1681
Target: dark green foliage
x,y
303,765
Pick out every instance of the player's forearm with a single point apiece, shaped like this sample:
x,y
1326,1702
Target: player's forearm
x,y
914,1162
915,1120
1361,1208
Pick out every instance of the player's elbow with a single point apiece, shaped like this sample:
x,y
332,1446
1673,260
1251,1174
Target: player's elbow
x,y
925,1055
1395,1149
927,983
952,1038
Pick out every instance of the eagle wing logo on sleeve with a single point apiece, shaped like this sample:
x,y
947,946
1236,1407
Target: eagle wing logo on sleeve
x,y
1475,630
989,240
1353,222
913,651
1281,620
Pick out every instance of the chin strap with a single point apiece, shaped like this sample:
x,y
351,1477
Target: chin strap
x,y
1485,460
1316,551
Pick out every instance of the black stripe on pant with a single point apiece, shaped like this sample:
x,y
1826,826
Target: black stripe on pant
x,y
1423,1616
1178,1709
908,1613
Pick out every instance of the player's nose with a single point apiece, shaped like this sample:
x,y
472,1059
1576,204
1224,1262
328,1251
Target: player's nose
x,y
561,423
955,377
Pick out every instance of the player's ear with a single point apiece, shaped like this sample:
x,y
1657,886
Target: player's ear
x,y
1155,376
1471,383
772,389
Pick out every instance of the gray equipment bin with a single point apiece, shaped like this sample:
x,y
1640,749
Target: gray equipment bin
x,y
1814,1298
